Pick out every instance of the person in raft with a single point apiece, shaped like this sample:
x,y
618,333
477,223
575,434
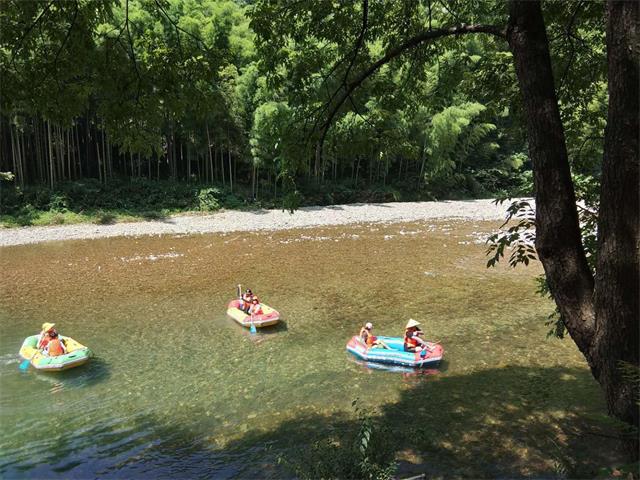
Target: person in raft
x,y
55,347
45,335
49,341
255,308
412,340
368,338
247,299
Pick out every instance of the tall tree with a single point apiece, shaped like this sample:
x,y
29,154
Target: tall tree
x,y
601,312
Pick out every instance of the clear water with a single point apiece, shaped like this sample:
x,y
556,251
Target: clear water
x,y
176,389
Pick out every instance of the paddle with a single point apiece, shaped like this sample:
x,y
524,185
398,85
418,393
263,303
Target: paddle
x,y
25,364
252,328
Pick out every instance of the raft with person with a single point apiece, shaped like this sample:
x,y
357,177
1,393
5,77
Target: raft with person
x,y
249,312
269,316
395,353
76,355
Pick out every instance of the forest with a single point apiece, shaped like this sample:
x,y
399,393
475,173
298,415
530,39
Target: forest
x,y
169,105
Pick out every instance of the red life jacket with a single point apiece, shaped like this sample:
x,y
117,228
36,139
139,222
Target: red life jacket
x,y
371,340
256,309
55,348
44,341
246,300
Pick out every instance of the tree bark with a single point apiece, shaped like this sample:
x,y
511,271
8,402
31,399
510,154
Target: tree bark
x,y
558,239
618,264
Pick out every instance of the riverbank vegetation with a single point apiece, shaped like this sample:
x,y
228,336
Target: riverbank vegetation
x,y
99,94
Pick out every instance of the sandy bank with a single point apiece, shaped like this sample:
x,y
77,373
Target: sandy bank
x,y
230,221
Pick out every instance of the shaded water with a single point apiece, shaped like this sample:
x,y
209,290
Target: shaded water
x,y
178,389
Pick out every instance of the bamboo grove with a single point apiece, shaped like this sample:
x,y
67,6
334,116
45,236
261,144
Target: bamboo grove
x,y
183,90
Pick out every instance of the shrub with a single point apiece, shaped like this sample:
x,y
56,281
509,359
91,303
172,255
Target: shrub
x,y
365,453
58,202
104,218
58,219
208,199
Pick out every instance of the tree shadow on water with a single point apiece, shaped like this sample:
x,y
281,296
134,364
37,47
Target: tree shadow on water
x,y
509,422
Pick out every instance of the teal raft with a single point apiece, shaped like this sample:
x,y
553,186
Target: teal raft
x,y
395,355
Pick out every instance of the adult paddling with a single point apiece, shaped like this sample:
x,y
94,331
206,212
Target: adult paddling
x,y
249,312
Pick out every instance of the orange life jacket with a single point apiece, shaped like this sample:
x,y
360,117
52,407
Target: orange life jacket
x,y
410,341
55,348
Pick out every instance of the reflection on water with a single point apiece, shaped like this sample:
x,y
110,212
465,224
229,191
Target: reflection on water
x,y
177,388
405,371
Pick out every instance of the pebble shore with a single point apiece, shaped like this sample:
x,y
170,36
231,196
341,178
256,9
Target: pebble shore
x,y
233,221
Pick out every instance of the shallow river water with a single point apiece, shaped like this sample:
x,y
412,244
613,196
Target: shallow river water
x,y
177,389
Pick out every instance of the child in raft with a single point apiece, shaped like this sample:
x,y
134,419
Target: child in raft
x,y
246,300
368,338
255,308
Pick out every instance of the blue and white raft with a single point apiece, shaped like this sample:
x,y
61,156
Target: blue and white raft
x,y
395,354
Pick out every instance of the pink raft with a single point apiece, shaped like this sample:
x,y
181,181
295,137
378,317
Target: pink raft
x,y
268,317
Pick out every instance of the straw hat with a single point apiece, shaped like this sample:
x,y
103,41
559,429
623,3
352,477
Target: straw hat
x,y
412,323
47,326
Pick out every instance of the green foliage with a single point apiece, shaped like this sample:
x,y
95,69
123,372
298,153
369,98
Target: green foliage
x,y
366,453
517,235
208,199
104,203
171,89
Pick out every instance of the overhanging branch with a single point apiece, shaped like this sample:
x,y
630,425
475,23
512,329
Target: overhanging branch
x,y
345,90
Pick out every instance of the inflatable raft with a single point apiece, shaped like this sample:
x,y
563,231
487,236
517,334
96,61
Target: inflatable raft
x,y
77,354
396,355
268,317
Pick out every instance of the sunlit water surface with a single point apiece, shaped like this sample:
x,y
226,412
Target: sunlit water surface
x,y
176,389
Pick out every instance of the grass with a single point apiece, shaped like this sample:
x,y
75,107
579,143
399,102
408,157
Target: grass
x,y
99,217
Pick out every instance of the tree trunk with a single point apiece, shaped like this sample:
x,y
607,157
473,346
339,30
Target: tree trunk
x,y
558,239
51,168
224,181
618,278
605,330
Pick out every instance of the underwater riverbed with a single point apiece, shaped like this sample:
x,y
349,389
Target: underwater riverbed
x,y
177,389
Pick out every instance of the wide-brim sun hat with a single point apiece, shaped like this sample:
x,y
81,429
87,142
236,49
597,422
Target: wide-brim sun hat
x,y
412,323
47,326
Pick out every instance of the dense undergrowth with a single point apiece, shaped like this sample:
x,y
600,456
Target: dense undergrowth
x,y
141,199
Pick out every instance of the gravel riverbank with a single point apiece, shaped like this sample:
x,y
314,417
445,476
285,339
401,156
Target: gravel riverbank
x,y
230,221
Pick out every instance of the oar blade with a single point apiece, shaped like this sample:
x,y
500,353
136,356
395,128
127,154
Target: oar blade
x,y
24,366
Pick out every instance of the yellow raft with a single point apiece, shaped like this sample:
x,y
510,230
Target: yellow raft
x,y
77,354
269,316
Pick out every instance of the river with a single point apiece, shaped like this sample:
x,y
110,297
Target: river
x,y
177,389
